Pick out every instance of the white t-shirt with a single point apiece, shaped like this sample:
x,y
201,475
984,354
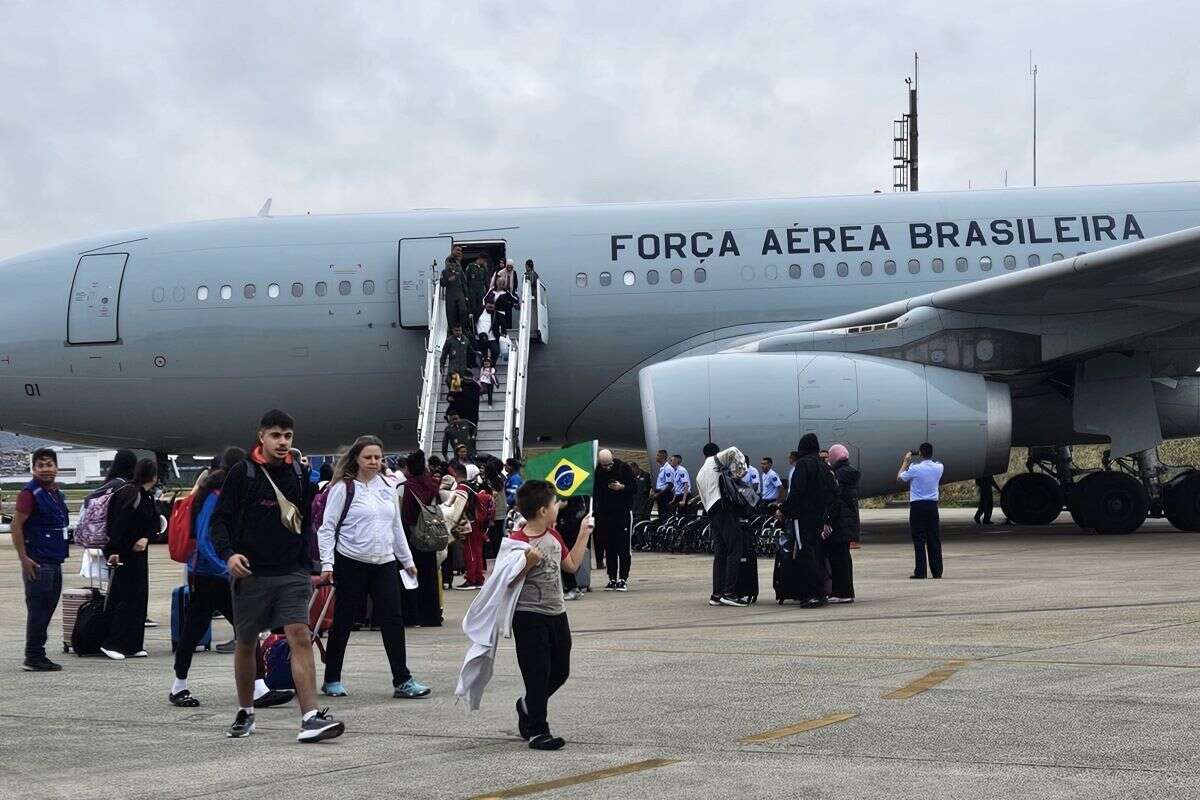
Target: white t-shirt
x,y
922,478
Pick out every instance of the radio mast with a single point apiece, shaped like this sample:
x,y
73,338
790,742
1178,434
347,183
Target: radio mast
x,y
904,139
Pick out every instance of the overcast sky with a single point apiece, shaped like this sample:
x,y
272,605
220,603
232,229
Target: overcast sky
x,y
118,115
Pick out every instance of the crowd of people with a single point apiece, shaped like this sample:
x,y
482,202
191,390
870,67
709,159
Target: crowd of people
x,y
266,533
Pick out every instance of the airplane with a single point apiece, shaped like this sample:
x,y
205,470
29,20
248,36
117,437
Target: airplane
x,y
978,321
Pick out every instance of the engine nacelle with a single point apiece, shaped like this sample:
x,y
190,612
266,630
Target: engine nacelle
x,y
879,408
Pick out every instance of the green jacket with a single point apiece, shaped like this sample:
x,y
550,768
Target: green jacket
x,y
458,354
453,279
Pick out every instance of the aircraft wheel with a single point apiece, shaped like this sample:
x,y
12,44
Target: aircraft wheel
x,y
1031,498
1181,501
1111,502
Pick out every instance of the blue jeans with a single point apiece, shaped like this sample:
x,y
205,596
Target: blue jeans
x,y
41,600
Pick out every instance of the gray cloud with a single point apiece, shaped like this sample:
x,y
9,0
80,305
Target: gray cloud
x,y
123,115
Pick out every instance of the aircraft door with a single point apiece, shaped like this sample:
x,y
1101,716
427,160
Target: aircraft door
x,y
95,294
418,261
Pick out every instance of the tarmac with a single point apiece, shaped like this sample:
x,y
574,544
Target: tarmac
x,y
1047,663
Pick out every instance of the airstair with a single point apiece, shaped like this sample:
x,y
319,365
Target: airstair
x,y
501,427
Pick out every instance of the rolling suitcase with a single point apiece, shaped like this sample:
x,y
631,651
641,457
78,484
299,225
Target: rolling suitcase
x,y
320,608
179,603
73,600
583,575
747,581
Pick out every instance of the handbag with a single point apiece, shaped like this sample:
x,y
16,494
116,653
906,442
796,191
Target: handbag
x,y
289,515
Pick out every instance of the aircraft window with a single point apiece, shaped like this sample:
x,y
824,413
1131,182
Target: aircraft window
x,y
248,291
676,276
629,279
158,294
368,287
960,264
652,277
1056,257
297,290
771,271
818,270
794,271
939,265
701,275
1033,260
843,269
889,267
914,266
865,268
344,288
747,273
178,293
321,289
985,263
202,293
273,290
605,278
1010,262
226,292
581,280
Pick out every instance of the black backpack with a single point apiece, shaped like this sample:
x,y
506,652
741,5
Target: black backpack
x,y
737,496
92,624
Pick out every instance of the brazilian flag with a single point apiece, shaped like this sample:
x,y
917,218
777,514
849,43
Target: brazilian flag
x,y
570,470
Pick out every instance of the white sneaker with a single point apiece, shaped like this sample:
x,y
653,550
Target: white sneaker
x,y
113,654
840,599
139,654
571,595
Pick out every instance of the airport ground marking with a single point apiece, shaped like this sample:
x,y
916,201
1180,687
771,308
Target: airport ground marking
x,y
927,682
575,780
799,727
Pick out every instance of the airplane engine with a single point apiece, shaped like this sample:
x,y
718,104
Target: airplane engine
x,y
878,407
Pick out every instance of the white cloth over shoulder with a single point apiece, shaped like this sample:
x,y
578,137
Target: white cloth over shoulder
x,y
708,481
489,618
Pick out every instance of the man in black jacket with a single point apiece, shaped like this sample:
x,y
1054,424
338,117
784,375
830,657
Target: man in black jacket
x,y
258,528
810,505
613,512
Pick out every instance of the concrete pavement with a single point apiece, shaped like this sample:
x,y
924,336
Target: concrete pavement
x,y
1047,663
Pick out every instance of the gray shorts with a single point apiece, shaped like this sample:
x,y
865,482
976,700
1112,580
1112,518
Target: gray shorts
x,y
264,602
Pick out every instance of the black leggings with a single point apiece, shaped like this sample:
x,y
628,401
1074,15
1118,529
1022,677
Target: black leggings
x,y
544,656
206,594
422,605
354,581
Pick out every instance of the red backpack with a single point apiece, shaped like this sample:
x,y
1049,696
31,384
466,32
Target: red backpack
x,y
180,542
485,510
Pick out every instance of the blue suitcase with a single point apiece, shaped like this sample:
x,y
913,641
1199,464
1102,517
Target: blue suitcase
x,y
179,601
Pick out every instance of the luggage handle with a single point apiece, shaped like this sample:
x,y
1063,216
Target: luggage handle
x,y
315,633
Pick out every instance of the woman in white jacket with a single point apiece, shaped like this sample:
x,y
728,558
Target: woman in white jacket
x,y
361,543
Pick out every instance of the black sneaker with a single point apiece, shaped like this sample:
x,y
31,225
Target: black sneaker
x,y
243,725
726,600
714,600
42,664
522,719
545,741
319,727
611,587
226,647
622,586
275,697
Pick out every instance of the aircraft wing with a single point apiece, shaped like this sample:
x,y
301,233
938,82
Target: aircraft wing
x,y
1079,304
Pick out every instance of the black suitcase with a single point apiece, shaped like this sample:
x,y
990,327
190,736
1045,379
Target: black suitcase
x,y
786,578
747,580
92,624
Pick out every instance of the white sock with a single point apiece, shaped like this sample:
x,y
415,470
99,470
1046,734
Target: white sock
x,y
260,688
304,717
179,685
249,710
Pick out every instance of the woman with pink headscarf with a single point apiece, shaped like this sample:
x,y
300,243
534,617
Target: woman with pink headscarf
x,y
845,525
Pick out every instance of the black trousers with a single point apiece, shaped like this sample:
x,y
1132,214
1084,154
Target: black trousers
x,y
984,512
129,594
616,531
354,582
422,605
207,593
544,656
838,556
926,535
728,549
663,503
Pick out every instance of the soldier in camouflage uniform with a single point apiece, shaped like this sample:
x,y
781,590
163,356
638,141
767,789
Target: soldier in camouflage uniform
x,y
479,275
458,354
458,310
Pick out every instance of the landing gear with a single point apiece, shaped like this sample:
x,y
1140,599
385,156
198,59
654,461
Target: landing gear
x,y
1032,498
1181,501
1110,502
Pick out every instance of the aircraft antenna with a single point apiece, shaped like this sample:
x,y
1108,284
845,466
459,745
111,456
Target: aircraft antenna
x,y
1033,70
265,211
904,139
